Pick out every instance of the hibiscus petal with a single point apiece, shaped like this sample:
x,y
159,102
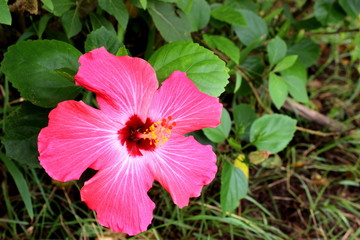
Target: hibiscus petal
x,y
119,196
183,166
191,109
124,85
77,137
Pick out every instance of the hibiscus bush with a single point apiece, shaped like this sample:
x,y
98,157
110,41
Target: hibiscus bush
x,y
180,119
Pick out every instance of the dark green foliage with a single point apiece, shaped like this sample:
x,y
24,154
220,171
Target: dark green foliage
x,y
286,72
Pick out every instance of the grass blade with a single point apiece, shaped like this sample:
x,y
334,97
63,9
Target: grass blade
x,y
20,183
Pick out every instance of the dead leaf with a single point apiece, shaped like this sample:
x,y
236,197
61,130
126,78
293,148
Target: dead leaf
x,y
21,6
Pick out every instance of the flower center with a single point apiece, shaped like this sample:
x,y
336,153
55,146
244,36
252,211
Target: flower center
x,y
159,132
146,136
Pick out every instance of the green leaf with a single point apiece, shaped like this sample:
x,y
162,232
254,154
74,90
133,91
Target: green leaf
x,y
229,15
256,28
277,50
202,66
172,24
48,4
225,45
98,21
258,156
355,53
278,89
328,11
296,79
351,7
248,49
122,51
234,144
254,65
307,50
37,68
20,183
285,28
71,23
272,132
234,186
199,15
43,23
5,16
28,33
221,132
272,162
285,63
242,165
273,15
308,24
243,4
102,37
117,9
201,138
184,5
244,115
170,1
22,128
58,7
143,3
237,82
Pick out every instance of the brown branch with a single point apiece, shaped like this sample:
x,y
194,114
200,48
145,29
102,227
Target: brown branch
x,y
314,116
308,34
253,89
313,132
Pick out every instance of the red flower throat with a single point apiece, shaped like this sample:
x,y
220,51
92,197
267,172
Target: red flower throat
x,y
146,136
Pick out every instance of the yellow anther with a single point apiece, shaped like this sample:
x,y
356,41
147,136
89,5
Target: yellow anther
x,y
159,132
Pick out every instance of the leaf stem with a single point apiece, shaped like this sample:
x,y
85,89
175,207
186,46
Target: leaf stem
x,y
314,132
253,89
6,100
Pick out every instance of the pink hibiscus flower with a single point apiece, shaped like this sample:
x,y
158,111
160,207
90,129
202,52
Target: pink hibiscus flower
x,y
135,137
